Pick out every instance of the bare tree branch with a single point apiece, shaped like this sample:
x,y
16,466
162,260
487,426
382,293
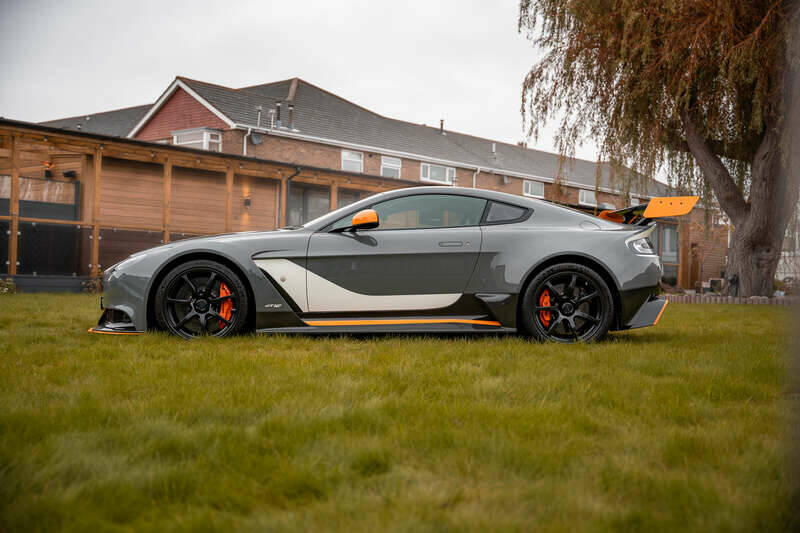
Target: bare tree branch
x,y
715,172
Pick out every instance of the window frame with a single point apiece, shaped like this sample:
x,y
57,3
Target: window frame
x,y
360,162
398,167
531,195
481,222
581,192
450,180
207,140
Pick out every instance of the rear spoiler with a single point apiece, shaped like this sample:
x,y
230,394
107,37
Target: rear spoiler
x,y
638,215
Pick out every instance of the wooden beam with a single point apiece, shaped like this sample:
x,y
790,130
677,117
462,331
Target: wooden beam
x,y
97,172
334,195
13,238
229,199
166,203
283,219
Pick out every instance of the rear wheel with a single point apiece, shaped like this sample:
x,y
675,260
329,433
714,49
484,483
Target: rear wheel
x,y
567,302
201,298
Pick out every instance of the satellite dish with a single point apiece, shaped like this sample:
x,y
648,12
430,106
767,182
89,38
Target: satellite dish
x,y
255,138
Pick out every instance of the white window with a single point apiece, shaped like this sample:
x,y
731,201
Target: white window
x,y
533,188
437,173
587,198
635,200
203,138
390,166
608,205
352,161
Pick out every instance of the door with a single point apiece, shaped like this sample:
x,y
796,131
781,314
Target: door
x,y
420,257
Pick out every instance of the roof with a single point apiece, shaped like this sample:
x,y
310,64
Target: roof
x,y
116,123
322,115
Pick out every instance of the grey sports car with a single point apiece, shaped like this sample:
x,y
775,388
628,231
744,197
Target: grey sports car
x,y
426,259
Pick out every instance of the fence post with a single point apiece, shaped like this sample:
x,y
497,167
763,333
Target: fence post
x,y
97,168
14,207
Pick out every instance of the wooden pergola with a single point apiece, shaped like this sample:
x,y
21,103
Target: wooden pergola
x,y
20,141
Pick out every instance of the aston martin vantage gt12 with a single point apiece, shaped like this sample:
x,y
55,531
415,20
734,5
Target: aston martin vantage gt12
x,y
425,259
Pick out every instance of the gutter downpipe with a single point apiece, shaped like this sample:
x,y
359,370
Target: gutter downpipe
x,y
244,141
475,177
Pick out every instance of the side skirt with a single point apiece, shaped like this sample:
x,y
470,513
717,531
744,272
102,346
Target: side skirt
x,y
453,324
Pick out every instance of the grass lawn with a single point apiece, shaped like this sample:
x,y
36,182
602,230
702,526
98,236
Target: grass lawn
x,y
682,426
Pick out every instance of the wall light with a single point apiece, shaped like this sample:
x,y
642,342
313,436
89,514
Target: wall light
x,y
247,203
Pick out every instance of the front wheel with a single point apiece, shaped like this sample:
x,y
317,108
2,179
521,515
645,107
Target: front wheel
x,y
567,302
201,298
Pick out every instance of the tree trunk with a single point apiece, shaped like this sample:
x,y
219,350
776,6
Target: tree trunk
x,y
751,265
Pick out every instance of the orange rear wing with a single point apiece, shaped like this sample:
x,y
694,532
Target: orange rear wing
x,y
667,206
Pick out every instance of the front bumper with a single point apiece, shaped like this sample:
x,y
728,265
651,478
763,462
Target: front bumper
x,y
115,322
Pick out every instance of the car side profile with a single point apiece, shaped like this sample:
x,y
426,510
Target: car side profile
x,y
425,259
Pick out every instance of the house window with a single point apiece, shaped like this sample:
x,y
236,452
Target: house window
x,y
608,205
390,166
202,138
635,200
437,174
669,244
533,188
352,161
587,198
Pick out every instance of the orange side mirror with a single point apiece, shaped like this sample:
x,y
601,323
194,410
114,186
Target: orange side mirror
x,y
366,219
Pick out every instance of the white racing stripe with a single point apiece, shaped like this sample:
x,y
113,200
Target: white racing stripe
x,y
323,296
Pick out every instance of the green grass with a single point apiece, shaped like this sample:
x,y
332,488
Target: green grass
x,y
682,426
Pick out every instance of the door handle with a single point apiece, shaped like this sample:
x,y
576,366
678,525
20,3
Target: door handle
x,y
451,244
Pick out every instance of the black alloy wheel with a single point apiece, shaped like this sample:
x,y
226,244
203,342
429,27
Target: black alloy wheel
x,y
567,303
200,298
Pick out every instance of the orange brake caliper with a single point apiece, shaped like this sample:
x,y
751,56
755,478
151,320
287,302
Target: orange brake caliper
x,y
226,306
544,301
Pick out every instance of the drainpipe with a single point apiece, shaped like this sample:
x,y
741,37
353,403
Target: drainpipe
x,y
288,192
475,178
244,141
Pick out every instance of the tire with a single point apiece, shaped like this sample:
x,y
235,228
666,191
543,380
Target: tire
x,y
567,303
200,298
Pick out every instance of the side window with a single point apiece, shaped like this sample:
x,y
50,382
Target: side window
x,y
499,213
429,211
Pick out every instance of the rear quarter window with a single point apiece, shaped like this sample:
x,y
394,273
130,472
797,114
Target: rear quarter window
x,y
500,213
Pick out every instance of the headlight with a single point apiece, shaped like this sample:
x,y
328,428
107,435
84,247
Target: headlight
x,y
642,246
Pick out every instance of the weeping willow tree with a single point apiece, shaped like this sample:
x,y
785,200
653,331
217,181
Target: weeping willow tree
x,y
703,90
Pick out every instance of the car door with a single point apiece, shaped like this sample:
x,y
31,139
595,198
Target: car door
x,y
420,257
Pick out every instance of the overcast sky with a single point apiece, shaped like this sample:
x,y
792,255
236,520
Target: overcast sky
x,y
460,60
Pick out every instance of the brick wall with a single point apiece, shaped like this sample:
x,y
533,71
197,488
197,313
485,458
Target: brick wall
x,y
179,112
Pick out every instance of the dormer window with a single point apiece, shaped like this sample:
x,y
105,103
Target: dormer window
x,y
202,138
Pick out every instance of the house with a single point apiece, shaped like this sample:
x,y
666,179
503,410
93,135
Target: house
x,y
317,151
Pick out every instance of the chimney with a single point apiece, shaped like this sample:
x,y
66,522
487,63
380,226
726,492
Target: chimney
x,y
259,109
494,149
291,116
278,114
441,126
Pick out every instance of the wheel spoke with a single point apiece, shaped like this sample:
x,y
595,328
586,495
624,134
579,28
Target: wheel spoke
x,y
553,325
553,292
588,318
178,301
210,283
203,321
185,319
221,299
583,299
185,278
548,308
220,317
571,327
571,286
